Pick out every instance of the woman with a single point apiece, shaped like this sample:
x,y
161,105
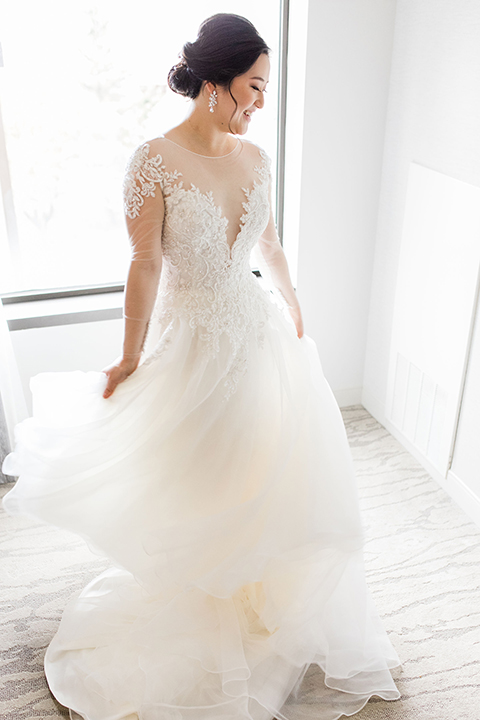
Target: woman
x,y
215,472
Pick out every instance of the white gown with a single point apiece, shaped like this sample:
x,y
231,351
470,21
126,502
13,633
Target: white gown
x,y
217,478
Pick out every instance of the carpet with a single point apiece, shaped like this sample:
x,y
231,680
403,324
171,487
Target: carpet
x,y
422,556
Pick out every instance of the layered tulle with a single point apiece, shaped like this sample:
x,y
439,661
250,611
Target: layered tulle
x,y
232,520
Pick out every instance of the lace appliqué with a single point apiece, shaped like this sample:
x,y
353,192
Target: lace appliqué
x,y
141,177
161,347
204,281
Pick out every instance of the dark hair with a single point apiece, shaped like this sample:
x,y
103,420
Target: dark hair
x,y
226,46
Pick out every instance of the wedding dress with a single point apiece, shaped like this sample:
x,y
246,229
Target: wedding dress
x,y
217,478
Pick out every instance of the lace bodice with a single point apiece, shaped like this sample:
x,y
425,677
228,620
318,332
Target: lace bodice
x,y
215,209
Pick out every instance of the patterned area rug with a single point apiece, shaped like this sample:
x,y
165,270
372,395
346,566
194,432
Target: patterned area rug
x,y
422,556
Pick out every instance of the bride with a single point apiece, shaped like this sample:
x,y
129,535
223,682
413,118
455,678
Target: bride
x,y
210,461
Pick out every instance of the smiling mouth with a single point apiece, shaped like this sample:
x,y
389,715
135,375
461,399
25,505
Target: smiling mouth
x,y
247,113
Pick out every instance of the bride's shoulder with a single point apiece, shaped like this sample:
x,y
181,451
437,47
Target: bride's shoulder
x,y
256,153
147,155
153,146
253,148
147,163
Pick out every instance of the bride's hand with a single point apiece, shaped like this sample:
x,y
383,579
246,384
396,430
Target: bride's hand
x,y
118,371
296,314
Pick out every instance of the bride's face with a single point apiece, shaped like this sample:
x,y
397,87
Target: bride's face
x,y
248,90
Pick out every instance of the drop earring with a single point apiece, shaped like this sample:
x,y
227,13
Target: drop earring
x,y
212,101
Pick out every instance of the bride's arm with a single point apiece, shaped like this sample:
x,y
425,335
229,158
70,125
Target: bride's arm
x,y
145,233
276,262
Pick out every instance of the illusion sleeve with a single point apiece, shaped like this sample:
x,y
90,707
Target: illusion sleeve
x,y
272,262
144,214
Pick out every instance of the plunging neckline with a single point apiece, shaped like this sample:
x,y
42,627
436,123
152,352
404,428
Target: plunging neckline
x,y
209,194
208,197
217,207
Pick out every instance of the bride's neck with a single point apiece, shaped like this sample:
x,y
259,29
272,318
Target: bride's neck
x,y
199,134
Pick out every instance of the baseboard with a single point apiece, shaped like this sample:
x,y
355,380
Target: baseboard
x,y
463,496
351,396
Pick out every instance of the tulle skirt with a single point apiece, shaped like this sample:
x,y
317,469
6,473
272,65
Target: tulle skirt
x,y
232,523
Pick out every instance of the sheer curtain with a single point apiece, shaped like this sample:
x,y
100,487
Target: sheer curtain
x,y
13,408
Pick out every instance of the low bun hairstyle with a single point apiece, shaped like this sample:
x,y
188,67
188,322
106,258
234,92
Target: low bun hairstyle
x,y
182,80
226,46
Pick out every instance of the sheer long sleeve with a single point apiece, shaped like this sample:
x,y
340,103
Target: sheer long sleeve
x,y
272,261
273,264
274,269
144,211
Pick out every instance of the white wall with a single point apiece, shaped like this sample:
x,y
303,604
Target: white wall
x,y
433,119
349,47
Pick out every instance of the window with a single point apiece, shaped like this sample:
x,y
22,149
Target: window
x,y
82,85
